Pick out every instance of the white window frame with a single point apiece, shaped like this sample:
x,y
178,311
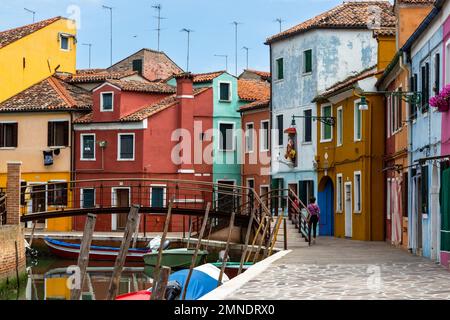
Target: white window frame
x,y
263,136
233,147
322,125
69,132
119,147
230,92
355,112
357,190
276,70
164,186
339,127
82,196
60,42
101,101
249,148
339,193
82,146
304,63
304,127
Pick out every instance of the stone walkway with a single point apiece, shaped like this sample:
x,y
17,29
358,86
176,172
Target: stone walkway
x,y
335,269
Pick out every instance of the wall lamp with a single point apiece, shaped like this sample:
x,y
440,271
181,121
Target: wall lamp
x,y
330,121
407,96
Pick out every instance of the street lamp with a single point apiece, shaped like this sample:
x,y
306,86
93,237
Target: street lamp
x,y
330,121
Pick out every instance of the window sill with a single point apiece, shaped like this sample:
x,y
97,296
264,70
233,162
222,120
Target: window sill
x,y
305,74
58,147
278,80
264,150
8,148
101,110
226,150
88,160
225,101
125,160
309,143
326,141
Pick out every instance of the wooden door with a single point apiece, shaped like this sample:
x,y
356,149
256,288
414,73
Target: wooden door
x,y
348,210
123,201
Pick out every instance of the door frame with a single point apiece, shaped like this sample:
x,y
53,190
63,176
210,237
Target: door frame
x,y
218,181
30,207
350,213
114,216
164,186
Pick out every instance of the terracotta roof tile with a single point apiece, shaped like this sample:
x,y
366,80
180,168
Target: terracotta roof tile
x,y
385,32
96,75
351,15
206,77
47,95
9,36
263,74
348,82
138,86
255,105
251,90
414,1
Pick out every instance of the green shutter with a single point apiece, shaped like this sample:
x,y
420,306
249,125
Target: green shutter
x,y
280,66
308,61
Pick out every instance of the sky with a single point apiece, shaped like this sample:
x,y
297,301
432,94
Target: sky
x,y
134,25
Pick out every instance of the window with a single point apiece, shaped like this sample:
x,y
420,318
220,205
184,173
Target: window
x,y
137,66
412,106
88,198
64,41
280,69
395,105
126,146
307,61
437,73
88,147
339,207
226,137
306,190
357,121
424,191
23,190
8,135
340,126
280,128
57,193
425,77
357,196
249,137
58,133
225,91
107,101
307,128
326,130
264,135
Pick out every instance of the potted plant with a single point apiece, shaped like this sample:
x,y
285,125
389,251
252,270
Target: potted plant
x,y
442,100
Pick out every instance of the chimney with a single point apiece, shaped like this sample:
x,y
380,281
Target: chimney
x,y
185,97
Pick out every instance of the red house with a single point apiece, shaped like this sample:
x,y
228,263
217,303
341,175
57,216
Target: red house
x,y
131,133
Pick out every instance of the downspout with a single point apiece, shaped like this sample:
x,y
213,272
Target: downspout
x,y
72,149
370,172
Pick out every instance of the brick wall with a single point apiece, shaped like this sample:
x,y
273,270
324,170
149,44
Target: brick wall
x,y
8,236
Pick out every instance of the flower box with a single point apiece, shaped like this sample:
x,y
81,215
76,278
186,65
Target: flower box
x,y
442,100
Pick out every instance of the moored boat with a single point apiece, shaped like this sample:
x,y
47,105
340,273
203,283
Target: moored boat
x,y
232,268
71,251
176,259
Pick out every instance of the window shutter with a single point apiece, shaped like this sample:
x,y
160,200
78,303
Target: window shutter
x,y
14,133
66,133
424,189
303,192
2,138
50,136
427,83
437,73
64,187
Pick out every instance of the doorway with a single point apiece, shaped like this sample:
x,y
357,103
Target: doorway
x,y
121,199
225,197
291,209
158,196
39,202
326,205
348,210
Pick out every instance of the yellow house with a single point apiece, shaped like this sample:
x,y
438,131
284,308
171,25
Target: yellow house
x,y
32,53
35,128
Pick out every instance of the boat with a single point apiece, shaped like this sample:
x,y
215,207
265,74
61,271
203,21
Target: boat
x,y
71,251
204,279
176,259
232,268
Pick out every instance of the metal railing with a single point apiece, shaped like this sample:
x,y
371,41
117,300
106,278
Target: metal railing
x,y
3,218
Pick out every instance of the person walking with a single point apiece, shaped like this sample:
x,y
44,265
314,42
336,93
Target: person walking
x,y
313,219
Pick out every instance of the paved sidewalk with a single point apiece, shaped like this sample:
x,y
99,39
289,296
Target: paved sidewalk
x,y
335,269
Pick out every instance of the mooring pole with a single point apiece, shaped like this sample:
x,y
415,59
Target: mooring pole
x,y
83,258
262,240
159,291
163,239
227,248
247,239
194,257
285,234
17,269
121,257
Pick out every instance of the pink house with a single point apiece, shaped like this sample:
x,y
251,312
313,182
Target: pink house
x,y
446,115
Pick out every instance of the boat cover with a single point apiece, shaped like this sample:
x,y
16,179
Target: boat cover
x,y
77,246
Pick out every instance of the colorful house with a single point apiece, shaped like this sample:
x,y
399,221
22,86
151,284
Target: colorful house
x,y
254,94
34,52
398,116
129,134
349,158
36,129
424,50
306,60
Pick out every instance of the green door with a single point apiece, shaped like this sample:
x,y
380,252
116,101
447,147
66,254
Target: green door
x,y
445,210
157,197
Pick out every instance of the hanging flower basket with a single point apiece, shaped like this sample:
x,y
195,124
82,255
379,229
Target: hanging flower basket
x,y
291,131
442,100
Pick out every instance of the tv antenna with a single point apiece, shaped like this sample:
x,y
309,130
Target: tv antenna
x,y
226,59
158,8
236,44
32,12
188,31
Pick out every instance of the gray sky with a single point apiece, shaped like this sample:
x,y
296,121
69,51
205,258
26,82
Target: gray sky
x,y
134,25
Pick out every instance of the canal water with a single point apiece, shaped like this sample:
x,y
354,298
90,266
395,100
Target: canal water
x,y
48,278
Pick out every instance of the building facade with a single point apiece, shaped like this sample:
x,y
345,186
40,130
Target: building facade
x,y
34,52
306,60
